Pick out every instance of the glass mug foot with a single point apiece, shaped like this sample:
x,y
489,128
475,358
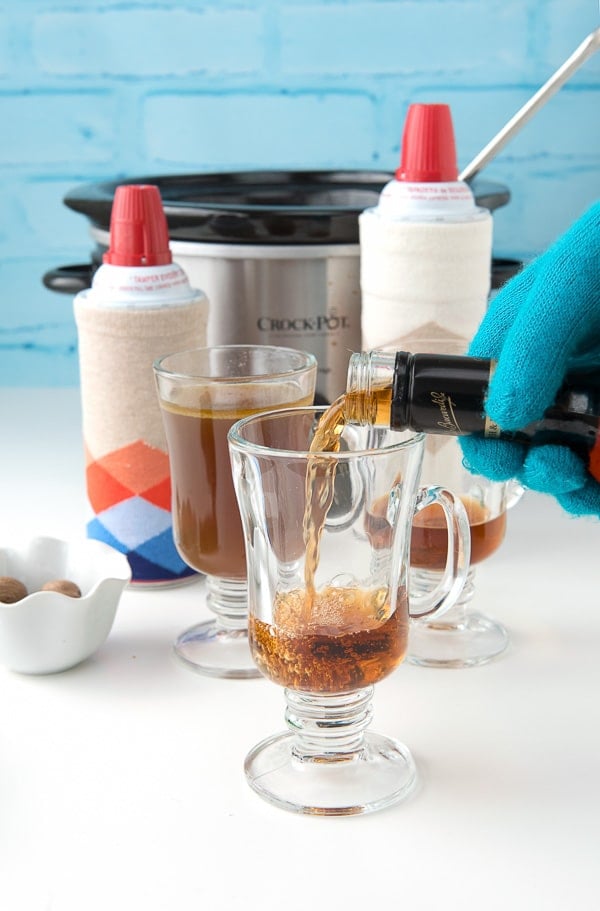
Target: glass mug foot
x,y
209,649
468,642
380,775
328,764
461,637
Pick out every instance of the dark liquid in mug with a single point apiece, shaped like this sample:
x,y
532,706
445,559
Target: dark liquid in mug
x,y
331,641
334,639
206,521
429,538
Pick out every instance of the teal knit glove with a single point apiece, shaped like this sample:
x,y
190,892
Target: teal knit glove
x,y
544,322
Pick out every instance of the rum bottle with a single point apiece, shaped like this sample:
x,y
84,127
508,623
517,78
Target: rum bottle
x,y
445,394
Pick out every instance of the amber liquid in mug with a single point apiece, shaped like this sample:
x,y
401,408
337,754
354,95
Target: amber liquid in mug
x,y
206,521
349,639
429,538
336,639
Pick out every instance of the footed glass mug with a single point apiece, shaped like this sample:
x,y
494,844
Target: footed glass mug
x,y
202,392
327,541
463,637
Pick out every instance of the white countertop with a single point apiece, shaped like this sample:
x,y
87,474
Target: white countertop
x,y
121,781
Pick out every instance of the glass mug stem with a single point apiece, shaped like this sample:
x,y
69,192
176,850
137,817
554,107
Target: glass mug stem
x,y
228,599
328,726
424,580
458,639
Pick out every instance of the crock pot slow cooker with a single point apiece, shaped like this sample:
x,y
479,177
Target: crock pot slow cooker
x,y
277,253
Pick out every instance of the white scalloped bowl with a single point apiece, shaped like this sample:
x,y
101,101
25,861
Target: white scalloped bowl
x,y
47,631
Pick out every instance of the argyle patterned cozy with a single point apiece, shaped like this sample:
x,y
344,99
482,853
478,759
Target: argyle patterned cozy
x,y
130,492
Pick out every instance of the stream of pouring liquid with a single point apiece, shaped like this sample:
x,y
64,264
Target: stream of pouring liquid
x,y
320,486
320,475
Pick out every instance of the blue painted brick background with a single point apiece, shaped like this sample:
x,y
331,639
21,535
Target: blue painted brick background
x,y
95,90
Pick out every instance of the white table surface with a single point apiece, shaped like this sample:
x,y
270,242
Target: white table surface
x,y
121,780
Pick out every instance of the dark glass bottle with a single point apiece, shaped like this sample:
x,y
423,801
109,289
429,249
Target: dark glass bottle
x,y
445,394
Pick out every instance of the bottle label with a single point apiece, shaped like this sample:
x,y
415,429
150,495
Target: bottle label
x,y
139,286
448,421
404,198
491,429
441,393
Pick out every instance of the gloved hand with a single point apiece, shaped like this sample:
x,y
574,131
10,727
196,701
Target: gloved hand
x,y
543,323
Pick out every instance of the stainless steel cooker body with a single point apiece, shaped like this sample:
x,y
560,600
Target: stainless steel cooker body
x,y
305,297
276,252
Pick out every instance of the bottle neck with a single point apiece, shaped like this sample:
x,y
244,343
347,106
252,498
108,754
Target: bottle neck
x,y
433,393
369,387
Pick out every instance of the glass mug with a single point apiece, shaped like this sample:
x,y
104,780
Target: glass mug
x,y
202,392
464,637
327,543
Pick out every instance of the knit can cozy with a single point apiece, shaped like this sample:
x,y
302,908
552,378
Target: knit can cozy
x,y
423,280
127,465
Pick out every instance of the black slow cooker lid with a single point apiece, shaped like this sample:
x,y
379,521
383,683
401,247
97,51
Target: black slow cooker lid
x,y
261,207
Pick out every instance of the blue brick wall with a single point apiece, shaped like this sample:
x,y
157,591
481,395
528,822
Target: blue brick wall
x,y
93,90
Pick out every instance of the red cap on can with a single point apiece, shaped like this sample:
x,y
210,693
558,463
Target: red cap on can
x,y
139,234
428,147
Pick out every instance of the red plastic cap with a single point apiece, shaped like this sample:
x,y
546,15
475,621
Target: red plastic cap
x,y
428,147
139,234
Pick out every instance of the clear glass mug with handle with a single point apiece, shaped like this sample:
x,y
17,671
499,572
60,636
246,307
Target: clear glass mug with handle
x,y
466,637
202,392
327,542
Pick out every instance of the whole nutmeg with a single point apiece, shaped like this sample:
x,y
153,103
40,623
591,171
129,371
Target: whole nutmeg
x,y
11,590
64,586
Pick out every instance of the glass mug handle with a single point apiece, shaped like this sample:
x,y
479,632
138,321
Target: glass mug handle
x,y
446,593
513,493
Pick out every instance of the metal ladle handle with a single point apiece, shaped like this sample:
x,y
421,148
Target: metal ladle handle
x,y
587,47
